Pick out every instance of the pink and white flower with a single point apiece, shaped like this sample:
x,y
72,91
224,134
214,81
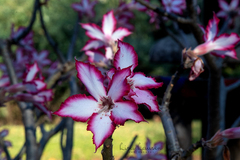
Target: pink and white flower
x,y
85,7
174,6
36,89
105,108
222,45
127,57
105,37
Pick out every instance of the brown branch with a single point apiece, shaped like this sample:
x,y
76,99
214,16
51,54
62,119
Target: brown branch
x,y
66,68
173,144
162,12
50,40
47,135
26,109
25,32
187,153
107,149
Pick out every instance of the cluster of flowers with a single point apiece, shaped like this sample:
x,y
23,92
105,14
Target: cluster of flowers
x,y
30,66
115,89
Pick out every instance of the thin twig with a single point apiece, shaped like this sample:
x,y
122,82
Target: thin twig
x,y
129,148
233,86
21,152
73,40
47,135
25,32
170,33
188,152
50,40
174,147
162,12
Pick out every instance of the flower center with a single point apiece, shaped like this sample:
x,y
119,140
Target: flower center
x,y
106,104
130,82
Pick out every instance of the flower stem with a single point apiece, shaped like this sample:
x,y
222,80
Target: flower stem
x,y
107,149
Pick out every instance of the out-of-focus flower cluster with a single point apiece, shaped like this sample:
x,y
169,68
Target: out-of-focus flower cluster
x,y
30,67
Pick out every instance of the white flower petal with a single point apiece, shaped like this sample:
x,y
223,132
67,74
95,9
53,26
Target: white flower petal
x,y
123,111
102,127
91,78
118,85
108,23
125,56
78,107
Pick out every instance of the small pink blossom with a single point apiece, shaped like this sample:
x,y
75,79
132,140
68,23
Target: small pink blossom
x,y
222,45
105,108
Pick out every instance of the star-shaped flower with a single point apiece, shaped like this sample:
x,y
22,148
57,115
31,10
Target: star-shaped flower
x,y
105,108
105,37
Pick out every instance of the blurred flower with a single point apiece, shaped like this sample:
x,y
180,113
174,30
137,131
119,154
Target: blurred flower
x,y
227,9
222,45
152,152
3,143
85,8
174,6
231,133
25,43
218,138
